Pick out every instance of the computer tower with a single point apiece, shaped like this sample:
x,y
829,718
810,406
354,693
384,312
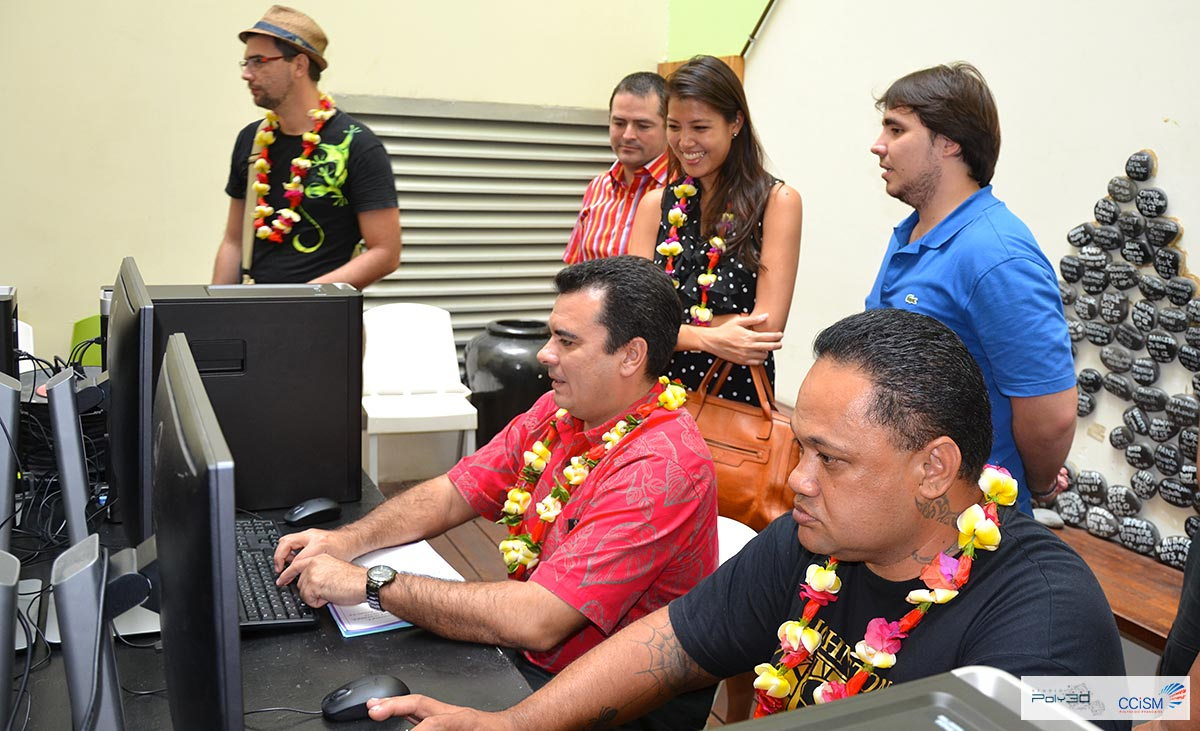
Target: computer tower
x,y
282,365
8,331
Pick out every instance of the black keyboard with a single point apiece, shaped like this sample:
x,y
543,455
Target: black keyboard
x,y
265,605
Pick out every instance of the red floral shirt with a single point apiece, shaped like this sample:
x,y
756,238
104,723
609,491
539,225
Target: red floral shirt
x,y
640,530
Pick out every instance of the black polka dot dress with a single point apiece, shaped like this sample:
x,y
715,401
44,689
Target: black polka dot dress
x,y
733,292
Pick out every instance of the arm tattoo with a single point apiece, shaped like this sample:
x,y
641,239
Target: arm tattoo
x,y
670,668
603,720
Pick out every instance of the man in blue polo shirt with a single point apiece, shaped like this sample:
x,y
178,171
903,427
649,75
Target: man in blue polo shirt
x,y
962,257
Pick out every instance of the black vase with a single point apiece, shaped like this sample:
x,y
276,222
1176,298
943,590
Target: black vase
x,y
503,372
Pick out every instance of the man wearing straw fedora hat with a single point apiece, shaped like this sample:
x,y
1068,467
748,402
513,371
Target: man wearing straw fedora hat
x,y
308,182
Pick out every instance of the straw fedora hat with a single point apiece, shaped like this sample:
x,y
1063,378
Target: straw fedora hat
x,y
293,28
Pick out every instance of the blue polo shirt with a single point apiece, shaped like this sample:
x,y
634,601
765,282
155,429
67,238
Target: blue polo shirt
x,y
981,273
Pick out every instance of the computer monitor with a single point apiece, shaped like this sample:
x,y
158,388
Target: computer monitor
x,y
8,331
282,364
130,352
194,514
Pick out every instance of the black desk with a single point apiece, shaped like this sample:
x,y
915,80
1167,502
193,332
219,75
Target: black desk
x,y
297,669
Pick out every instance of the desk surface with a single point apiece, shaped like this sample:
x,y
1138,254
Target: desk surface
x,y
296,669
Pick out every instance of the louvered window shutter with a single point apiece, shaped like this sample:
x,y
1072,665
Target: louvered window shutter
x,y
488,195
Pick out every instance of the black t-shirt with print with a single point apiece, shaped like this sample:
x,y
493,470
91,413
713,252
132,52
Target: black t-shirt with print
x,y
350,174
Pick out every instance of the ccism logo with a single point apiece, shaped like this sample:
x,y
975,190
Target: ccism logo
x,y
1171,696
1175,694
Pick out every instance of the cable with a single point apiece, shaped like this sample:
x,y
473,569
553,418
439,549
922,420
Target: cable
x,y
92,716
21,689
282,708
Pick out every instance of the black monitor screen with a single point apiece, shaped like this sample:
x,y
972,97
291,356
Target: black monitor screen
x,y
8,331
130,355
194,513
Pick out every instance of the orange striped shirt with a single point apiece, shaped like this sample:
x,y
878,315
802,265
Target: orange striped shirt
x,y
606,215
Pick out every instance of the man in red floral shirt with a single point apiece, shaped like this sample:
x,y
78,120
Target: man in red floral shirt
x,y
629,527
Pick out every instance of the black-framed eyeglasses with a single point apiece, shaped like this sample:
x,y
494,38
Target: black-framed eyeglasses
x,y
257,62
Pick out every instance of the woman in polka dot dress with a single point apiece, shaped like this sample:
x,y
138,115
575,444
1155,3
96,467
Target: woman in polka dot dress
x,y
713,143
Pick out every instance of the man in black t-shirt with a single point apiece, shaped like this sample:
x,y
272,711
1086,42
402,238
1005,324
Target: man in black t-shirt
x,y
323,180
894,428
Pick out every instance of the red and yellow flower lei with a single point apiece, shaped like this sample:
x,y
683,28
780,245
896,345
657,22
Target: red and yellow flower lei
x,y
978,528
293,189
522,548
671,248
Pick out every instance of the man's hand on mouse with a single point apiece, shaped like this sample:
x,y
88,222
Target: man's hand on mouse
x,y
433,715
328,580
307,544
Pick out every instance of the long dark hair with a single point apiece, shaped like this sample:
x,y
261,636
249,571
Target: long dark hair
x,y
743,185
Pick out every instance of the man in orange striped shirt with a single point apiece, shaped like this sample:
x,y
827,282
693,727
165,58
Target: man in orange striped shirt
x,y
637,112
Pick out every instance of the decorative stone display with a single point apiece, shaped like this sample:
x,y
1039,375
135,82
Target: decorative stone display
x,y
1189,357
1075,330
1071,508
1122,502
1099,333
1081,235
1172,319
1162,429
1087,307
1175,492
1093,257
1122,189
1122,275
1118,386
1100,522
1142,165
1190,525
1180,291
1151,202
1183,409
1108,238
1189,440
1120,437
1166,262
1130,224
1193,311
1090,380
1152,288
1119,360
1187,475
1167,459
1114,306
1143,314
1094,281
1192,335
1106,211
1091,486
1160,231
1137,252
1139,535
1159,344
1136,420
1085,403
1139,455
1150,398
1145,370
1173,550
1067,293
1144,484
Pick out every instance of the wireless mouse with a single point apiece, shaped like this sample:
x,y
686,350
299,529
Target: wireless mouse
x,y
311,512
349,702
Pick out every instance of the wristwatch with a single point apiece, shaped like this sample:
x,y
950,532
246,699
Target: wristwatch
x,y
377,578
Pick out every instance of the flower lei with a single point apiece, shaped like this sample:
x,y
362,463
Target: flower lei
x,y
671,248
978,528
293,189
522,548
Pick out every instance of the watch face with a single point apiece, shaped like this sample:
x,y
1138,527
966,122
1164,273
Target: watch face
x,y
380,573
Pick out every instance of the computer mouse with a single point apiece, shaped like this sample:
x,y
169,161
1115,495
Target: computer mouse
x,y
311,512
349,702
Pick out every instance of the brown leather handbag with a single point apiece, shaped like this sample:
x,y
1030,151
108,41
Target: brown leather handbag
x,y
752,447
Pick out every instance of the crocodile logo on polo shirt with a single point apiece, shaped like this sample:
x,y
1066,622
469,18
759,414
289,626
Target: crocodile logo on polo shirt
x,y
910,299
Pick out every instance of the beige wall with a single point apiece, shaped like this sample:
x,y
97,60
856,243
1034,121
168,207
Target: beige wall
x,y
123,114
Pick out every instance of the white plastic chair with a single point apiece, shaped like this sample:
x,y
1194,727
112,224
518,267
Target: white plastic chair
x,y
25,342
731,536
410,378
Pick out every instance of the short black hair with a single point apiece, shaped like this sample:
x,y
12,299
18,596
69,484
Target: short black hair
x,y
643,84
953,101
926,384
639,302
290,52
